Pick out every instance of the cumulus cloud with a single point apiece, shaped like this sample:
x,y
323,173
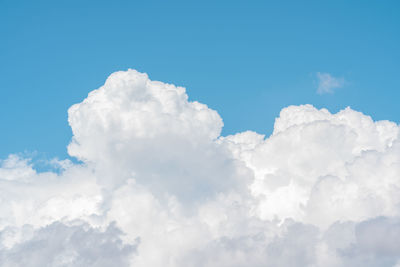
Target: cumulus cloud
x,y
58,244
159,186
327,83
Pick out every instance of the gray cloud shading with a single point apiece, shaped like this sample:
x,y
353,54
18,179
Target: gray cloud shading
x,y
60,245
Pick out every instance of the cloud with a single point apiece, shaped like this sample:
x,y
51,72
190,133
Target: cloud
x,y
159,186
327,83
62,245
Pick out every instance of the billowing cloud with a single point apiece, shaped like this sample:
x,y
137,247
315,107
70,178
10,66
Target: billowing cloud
x,y
62,245
327,83
159,186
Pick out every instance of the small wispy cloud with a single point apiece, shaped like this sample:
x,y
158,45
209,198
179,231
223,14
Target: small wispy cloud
x,y
327,83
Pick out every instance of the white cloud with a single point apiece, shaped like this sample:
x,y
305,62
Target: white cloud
x,y
327,83
159,186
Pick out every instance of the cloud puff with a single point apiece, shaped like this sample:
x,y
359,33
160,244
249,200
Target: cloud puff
x,y
159,186
327,83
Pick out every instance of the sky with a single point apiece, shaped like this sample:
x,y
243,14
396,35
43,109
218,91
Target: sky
x,y
176,134
245,60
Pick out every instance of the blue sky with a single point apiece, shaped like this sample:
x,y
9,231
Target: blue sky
x,y
246,59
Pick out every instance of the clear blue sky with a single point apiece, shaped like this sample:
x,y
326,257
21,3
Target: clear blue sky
x,y
246,59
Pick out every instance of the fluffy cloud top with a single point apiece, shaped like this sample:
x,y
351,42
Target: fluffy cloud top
x,y
159,186
129,108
